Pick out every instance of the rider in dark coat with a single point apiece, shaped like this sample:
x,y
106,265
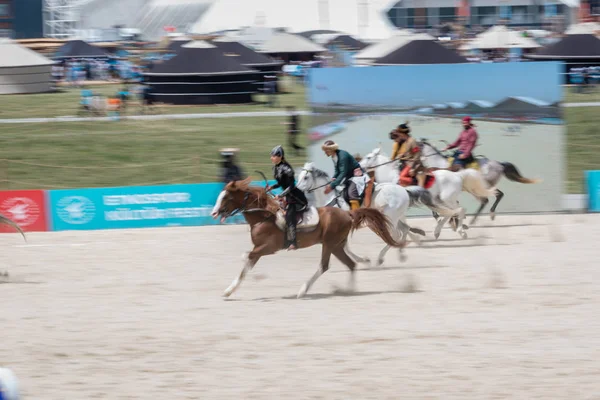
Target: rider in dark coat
x,y
295,199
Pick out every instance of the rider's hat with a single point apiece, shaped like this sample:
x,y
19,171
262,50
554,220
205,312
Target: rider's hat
x,y
330,145
467,119
229,152
403,128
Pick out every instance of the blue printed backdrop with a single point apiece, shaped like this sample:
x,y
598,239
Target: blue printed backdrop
x,y
136,207
425,85
593,184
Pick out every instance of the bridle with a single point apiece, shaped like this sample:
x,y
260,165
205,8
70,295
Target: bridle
x,y
243,207
312,174
337,195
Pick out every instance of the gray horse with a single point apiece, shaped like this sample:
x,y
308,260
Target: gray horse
x,y
491,170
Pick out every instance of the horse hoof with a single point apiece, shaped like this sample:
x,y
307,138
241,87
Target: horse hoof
x,y
403,257
228,292
463,235
493,216
436,235
465,227
379,263
302,291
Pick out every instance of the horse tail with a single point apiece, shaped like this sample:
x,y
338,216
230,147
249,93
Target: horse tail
x,y
10,222
513,174
421,196
473,183
376,221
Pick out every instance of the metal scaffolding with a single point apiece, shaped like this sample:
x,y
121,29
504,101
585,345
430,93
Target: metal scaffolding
x,y
62,18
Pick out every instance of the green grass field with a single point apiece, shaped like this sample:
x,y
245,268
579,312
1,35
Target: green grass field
x,y
92,154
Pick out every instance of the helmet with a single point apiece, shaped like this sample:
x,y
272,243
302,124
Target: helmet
x,y
277,151
466,119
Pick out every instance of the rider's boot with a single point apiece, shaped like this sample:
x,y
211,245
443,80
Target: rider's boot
x,y
291,237
354,205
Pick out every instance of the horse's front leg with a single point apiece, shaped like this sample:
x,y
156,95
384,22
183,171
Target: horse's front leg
x,y
440,224
250,261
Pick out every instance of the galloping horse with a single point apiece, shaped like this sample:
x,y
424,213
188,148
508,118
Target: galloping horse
x,y
447,187
328,226
391,199
491,171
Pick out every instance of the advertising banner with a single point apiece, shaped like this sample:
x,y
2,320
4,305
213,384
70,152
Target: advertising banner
x,y
136,207
25,207
593,187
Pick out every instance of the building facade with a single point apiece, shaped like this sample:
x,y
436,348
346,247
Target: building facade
x,y
594,8
21,19
425,14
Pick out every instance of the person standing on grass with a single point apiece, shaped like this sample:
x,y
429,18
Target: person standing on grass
x,y
230,171
293,129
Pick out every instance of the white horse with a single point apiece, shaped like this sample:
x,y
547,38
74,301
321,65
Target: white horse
x,y
491,171
447,186
392,200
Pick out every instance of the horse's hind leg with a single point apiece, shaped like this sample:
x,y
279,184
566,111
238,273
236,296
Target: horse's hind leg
x,y
484,202
341,255
325,257
499,197
357,258
251,260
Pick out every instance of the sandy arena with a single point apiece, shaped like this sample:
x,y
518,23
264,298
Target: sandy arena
x,y
512,312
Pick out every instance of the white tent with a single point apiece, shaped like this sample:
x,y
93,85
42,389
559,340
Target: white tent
x,y
23,70
383,48
500,37
283,42
366,20
584,28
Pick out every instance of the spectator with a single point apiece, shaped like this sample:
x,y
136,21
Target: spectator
x,y
293,129
230,170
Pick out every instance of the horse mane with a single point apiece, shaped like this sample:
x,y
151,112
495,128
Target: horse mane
x,y
319,173
262,198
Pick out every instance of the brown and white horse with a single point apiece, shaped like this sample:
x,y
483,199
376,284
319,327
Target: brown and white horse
x,y
328,226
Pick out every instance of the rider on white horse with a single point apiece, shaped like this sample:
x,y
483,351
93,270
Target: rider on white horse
x,y
465,143
345,165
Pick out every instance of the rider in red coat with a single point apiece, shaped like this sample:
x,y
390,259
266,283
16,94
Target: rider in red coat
x,y
465,143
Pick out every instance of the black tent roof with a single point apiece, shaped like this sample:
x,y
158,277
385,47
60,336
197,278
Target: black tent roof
x,y
80,49
200,58
347,42
422,52
571,46
243,54
176,44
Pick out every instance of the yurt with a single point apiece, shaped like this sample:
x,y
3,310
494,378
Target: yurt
x,y
268,67
80,49
422,52
23,70
201,74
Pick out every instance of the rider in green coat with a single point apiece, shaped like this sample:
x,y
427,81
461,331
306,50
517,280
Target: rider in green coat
x,y
345,165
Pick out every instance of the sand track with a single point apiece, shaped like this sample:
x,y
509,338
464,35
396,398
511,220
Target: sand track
x,y
512,312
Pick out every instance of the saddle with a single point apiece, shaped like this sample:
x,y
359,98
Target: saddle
x,y
308,220
475,164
